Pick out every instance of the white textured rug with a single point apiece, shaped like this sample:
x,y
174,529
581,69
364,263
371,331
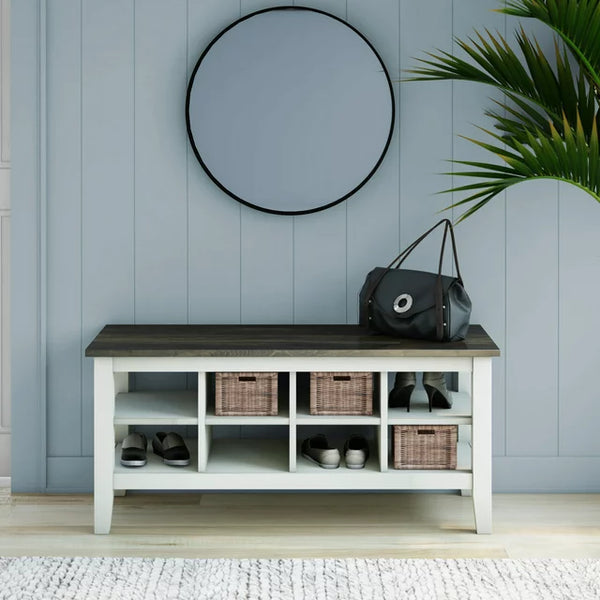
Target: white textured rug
x,y
316,579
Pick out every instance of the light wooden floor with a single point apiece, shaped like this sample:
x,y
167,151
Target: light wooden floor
x,y
302,525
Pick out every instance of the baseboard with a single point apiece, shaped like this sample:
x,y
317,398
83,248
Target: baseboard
x,y
546,474
4,482
58,491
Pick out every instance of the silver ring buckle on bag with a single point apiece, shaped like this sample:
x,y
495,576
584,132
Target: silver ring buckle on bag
x,y
403,303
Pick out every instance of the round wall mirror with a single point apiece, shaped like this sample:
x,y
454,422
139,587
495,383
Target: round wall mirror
x,y
290,110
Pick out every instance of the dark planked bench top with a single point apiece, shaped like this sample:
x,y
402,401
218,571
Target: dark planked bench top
x,y
274,340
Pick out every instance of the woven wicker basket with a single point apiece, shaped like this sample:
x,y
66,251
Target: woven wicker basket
x,y
245,394
341,393
425,446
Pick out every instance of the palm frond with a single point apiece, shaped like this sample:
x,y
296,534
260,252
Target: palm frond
x,y
577,22
539,90
570,157
546,126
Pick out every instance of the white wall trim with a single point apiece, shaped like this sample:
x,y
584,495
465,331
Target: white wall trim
x,y
545,474
5,394
4,482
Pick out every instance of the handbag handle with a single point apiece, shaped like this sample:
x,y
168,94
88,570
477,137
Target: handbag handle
x,y
407,251
438,291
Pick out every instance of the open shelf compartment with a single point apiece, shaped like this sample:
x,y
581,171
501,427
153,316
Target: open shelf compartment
x,y
155,467
249,455
157,407
459,414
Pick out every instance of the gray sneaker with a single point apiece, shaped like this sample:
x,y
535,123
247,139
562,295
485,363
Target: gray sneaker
x,y
317,450
356,452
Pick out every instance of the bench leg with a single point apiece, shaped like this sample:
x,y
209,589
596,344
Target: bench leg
x,y
481,452
104,443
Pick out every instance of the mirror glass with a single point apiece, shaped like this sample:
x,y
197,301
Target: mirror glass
x,y
290,110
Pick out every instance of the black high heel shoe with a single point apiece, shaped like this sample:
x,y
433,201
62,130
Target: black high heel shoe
x,y
437,392
404,384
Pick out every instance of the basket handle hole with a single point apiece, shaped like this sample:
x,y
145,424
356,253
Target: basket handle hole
x,y
341,377
246,378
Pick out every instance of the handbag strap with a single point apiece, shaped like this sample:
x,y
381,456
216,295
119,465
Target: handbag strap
x,y
407,251
439,289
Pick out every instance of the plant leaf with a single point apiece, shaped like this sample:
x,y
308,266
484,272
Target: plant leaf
x,y
547,125
577,22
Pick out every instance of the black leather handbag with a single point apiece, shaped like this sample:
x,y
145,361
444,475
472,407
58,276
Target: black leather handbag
x,y
416,304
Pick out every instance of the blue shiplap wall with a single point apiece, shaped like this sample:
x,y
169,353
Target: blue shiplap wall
x,y
114,221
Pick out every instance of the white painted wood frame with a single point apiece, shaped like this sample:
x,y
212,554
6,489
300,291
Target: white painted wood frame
x,y
273,467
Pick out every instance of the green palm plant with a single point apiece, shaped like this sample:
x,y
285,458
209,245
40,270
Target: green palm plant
x,y
547,125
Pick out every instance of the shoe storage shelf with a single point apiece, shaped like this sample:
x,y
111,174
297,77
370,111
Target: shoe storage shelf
x,y
272,460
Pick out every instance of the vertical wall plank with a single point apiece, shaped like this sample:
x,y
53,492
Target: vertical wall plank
x,y
320,266
267,247
426,127
481,238
250,6
372,230
531,317
214,217
578,323
532,304
5,83
161,208
267,267
108,167
161,294
28,423
333,7
64,229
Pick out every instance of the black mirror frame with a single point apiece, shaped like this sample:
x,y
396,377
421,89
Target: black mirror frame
x,y
235,196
